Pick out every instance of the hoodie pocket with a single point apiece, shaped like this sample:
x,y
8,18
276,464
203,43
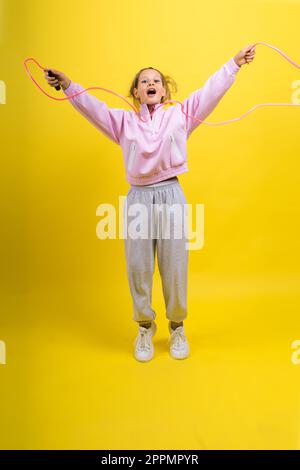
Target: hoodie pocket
x,y
176,157
131,157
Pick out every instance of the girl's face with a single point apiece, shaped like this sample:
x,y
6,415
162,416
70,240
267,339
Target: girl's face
x,y
149,80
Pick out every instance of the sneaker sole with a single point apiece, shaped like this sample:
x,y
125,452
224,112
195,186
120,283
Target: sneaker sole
x,y
144,360
179,358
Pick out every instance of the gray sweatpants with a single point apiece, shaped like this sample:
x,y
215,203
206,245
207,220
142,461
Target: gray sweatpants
x,y
146,212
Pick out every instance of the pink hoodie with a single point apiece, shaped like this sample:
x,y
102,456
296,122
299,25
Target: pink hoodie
x,y
155,150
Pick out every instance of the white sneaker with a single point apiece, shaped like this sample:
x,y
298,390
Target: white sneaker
x,y
143,346
179,346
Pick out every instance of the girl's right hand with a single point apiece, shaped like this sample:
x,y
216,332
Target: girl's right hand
x,y
59,79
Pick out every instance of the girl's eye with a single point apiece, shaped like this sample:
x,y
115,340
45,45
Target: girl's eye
x,y
143,81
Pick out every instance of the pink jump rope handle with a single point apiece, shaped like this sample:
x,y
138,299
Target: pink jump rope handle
x,y
50,73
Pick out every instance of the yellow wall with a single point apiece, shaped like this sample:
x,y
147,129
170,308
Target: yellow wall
x,y
70,379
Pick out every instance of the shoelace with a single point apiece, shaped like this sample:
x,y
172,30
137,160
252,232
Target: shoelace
x,y
178,337
144,341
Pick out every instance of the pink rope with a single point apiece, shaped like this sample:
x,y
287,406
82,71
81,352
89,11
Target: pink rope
x,y
169,101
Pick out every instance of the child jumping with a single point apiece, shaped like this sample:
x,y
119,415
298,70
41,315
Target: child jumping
x,y
154,150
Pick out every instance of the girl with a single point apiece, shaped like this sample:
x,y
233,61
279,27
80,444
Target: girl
x,y
154,149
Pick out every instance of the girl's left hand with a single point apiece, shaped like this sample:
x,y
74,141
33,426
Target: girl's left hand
x,y
245,56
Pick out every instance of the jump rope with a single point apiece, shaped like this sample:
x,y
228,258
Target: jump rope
x,y
51,74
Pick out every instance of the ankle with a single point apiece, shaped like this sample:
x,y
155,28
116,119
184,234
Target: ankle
x,y
175,325
145,324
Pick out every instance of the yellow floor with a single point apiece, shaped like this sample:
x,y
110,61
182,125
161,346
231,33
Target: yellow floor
x,y
71,380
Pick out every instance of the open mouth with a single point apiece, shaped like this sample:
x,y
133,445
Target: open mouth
x,y
151,92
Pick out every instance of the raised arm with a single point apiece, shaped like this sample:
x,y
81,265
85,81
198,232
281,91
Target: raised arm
x,y
203,101
107,120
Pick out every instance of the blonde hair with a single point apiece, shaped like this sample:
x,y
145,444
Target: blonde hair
x,y
167,82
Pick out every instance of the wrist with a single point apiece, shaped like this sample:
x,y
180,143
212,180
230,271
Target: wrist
x,y
66,85
236,62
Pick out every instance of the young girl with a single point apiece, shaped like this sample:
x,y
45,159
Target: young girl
x,y
154,149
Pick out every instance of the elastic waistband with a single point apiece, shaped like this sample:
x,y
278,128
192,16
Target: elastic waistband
x,y
156,186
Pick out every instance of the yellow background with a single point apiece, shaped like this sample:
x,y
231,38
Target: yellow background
x,y
66,317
